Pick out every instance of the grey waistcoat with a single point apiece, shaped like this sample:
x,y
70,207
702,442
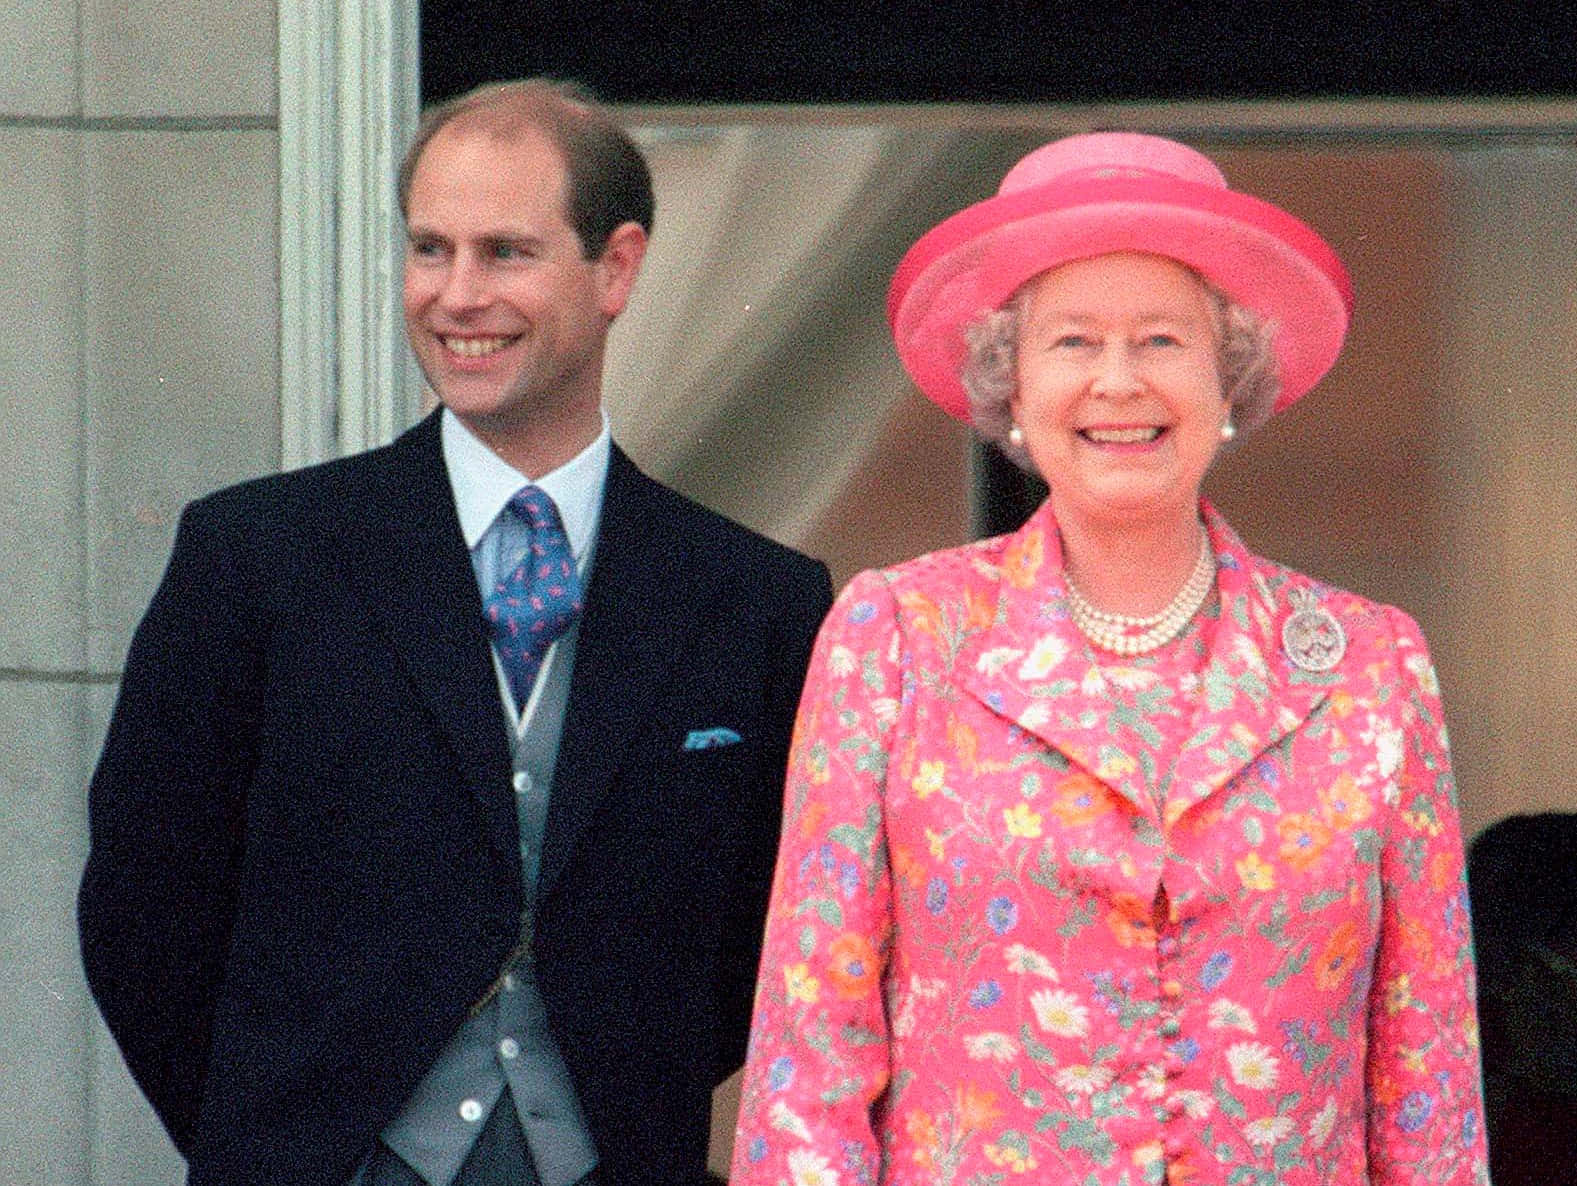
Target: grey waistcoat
x,y
508,1040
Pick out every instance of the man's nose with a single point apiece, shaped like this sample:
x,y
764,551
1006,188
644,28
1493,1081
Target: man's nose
x,y
465,284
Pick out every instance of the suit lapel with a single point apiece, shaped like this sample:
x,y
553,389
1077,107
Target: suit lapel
x,y
640,607
406,548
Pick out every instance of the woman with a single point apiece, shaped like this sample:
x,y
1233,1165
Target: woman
x,y
1113,853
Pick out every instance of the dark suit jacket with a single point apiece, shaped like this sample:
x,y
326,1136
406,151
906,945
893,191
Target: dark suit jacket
x,y
304,864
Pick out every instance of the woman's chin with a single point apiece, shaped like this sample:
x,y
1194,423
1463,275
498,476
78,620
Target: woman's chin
x,y
1129,505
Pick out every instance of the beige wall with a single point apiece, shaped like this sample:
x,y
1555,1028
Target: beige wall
x,y
138,367
1436,467
1506,450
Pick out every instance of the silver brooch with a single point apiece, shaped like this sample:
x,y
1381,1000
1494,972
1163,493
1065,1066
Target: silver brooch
x,y
1312,638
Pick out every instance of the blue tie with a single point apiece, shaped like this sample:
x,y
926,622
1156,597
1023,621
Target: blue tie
x,y
536,602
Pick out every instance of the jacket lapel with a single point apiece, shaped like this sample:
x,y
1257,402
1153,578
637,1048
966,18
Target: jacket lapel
x,y
1253,695
406,548
639,610
1034,668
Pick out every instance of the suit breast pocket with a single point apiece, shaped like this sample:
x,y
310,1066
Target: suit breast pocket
x,y
701,800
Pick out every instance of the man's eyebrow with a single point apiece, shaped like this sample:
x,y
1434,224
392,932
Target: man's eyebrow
x,y
529,238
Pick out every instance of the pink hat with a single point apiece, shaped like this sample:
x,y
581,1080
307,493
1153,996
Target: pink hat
x,y
1100,192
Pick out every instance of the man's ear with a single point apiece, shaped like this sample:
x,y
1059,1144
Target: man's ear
x,y
619,264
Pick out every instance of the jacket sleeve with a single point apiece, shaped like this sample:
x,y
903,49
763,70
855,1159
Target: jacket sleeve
x,y
1426,1113
818,1054
740,948
165,808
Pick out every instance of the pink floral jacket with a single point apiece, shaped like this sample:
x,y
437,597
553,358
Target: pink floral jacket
x,y
964,980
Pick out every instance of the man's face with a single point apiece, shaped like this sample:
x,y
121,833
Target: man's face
x,y
506,317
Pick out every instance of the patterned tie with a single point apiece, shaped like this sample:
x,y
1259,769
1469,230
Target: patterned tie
x,y
536,602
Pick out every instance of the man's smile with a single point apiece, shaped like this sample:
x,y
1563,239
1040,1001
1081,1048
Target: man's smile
x,y
474,347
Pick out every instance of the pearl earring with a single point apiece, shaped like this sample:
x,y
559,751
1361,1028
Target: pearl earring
x,y
1228,430
1016,437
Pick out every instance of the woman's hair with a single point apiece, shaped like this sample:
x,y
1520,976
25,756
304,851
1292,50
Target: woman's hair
x,y
1246,359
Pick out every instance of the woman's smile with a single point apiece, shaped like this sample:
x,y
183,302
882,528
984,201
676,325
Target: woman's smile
x,y
1113,436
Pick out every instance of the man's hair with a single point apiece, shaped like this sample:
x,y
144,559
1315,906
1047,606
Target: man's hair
x,y
608,181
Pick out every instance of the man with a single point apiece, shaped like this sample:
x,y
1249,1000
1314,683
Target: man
x,y
432,832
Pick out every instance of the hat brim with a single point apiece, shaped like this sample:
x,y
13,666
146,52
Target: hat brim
x,y
1257,254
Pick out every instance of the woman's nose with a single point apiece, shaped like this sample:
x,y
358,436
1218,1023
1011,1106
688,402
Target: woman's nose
x,y
1115,371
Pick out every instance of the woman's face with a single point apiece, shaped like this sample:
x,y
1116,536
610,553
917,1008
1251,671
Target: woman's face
x,y
1119,388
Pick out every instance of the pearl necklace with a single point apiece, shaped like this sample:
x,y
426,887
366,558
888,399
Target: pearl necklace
x,y
1125,635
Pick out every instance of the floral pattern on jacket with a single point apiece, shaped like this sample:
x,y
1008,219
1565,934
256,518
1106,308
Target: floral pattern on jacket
x,y
966,978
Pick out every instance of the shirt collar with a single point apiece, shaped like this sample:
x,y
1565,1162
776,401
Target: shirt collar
x,y
482,482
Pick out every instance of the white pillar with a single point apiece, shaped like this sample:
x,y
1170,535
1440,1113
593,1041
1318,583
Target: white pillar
x,y
348,101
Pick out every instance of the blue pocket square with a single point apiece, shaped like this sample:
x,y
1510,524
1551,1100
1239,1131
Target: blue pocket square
x,y
710,738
